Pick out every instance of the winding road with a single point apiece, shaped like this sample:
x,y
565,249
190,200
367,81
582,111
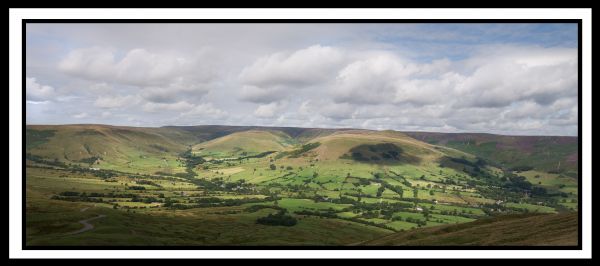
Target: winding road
x,y
86,223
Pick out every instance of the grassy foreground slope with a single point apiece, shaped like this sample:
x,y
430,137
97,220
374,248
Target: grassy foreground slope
x,y
508,230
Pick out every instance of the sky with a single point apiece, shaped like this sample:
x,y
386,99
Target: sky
x,y
513,79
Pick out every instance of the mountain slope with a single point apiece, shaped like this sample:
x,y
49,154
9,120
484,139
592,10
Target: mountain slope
x,y
209,132
243,143
374,147
108,147
545,153
511,230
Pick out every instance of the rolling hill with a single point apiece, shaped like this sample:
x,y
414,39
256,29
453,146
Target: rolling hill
x,y
507,230
243,143
108,147
557,154
336,186
361,145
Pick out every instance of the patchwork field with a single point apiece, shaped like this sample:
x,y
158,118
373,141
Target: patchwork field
x,y
105,185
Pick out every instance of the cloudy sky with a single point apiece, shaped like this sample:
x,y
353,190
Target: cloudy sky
x,y
518,79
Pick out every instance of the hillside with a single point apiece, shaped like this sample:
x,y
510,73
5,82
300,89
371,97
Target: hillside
x,y
208,132
557,154
508,230
109,147
362,146
331,186
250,142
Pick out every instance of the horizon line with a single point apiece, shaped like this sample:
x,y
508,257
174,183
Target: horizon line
x,y
338,128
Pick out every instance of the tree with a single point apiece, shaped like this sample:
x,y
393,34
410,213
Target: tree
x,y
273,167
380,191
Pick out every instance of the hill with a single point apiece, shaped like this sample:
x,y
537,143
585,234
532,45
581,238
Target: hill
x,y
370,146
555,154
314,186
127,149
244,143
208,132
506,230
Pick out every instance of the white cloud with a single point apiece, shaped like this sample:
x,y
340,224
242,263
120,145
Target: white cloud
x,y
110,102
80,115
37,92
205,110
269,110
160,107
543,75
323,75
262,95
138,67
303,67
102,87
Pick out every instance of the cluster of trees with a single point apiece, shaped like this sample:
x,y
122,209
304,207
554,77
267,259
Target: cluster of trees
x,y
255,208
191,161
419,222
136,198
326,214
41,160
90,160
147,182
380,191
303,149
76,196
462,213
103,174
280,218
214,202
521,168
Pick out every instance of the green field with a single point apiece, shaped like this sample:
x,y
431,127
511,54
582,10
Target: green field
x,y
266,186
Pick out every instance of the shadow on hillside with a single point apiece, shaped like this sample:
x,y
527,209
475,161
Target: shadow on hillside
x,y
382,153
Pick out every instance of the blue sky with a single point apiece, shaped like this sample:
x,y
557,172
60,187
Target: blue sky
x,y
497,78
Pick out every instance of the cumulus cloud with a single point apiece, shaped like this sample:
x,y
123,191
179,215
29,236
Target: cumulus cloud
x,y
303,67
160,107
80,115
110,102
269,110
262,95
205,110
543,75
137,67
37,92
366,76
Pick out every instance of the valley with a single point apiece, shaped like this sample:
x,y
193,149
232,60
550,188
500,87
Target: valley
x,y
257,186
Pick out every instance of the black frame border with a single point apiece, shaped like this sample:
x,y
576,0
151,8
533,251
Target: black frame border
x,y
24,23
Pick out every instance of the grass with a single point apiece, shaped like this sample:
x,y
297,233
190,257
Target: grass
x,y
512,230
302,174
